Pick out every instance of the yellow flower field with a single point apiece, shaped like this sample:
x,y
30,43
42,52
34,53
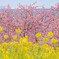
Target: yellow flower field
x,y
27,50
24,49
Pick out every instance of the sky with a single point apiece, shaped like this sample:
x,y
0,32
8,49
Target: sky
x,y
15,3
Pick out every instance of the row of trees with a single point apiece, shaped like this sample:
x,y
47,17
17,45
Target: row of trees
x,y
30,20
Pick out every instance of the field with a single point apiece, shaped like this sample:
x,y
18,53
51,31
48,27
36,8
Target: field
x,y
29,33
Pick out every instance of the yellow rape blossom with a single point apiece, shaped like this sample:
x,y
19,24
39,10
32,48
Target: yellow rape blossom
x,y
54,41
1,29
50,34
35,46
38,35
17,30
20,40
4,45
30,44
45,39
14,37
5,36
25,39
44,46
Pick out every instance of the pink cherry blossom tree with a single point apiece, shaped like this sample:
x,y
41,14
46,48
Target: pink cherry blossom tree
x,y
30,20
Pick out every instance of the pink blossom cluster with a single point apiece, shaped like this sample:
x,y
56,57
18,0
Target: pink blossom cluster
x,y
30,20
